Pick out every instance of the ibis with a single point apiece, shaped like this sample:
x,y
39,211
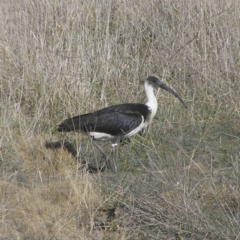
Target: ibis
x,y
117,122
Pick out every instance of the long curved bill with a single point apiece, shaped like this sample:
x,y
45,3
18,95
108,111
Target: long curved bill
x,y
165,87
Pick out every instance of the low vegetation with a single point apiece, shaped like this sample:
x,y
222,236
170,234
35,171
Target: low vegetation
x,y
64,58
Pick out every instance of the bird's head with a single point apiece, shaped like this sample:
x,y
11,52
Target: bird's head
x,y
156,83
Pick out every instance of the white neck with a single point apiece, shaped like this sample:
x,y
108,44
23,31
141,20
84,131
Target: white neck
x,y
151,100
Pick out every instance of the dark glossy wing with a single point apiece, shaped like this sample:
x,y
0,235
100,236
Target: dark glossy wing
x,y
113,123
116,120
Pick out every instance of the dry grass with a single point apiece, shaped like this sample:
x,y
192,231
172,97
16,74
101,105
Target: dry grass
x,y
62,58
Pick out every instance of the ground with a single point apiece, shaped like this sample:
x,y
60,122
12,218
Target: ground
x,y
59,59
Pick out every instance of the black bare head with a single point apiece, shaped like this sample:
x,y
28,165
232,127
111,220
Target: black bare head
x,y
155,82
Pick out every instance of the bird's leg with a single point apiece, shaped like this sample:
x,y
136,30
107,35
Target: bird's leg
x,y
99,148
114,159
103,153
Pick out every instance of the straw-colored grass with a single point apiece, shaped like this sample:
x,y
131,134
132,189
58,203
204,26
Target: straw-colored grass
x,y
64,58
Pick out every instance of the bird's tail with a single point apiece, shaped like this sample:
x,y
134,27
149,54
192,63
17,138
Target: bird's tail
x,y
70,124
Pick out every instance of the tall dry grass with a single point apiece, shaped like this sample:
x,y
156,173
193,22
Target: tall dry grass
x,y
63,58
